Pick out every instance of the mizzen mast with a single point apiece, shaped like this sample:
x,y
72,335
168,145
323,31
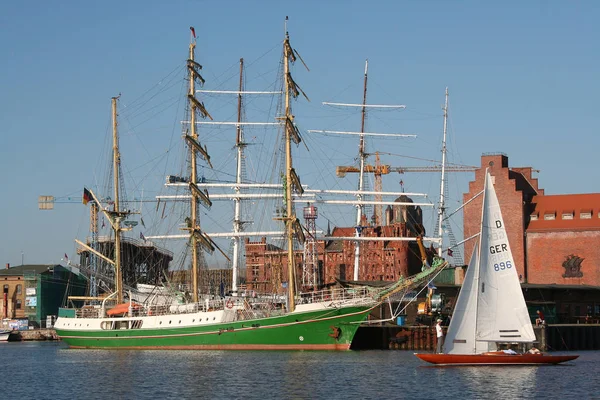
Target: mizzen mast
x,y
117,216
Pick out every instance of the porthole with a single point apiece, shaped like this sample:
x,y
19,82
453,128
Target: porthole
x,y
170,322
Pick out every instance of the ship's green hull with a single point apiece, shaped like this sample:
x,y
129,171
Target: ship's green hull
x,y
331,329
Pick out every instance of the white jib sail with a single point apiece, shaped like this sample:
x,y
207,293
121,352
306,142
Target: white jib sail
x,y
502,315
461,332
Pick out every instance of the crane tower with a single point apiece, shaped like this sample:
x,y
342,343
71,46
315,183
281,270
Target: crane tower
x,y
311,262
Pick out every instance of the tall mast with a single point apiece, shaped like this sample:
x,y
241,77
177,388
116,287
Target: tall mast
x,y
117,218
237,223
288,175
441,208
193,177
362,156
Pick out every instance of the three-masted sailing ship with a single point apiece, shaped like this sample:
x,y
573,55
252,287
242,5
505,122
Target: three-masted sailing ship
x,y
324,320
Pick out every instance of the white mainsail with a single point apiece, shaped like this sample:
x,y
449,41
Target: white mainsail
x,y
502,315
490,306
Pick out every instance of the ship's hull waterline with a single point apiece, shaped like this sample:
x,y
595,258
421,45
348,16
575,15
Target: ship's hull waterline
x,y
329,329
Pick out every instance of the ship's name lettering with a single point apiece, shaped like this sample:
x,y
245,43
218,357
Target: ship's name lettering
x,y
499,248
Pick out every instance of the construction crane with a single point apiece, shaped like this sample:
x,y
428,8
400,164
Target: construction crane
x,y
341,171
378,170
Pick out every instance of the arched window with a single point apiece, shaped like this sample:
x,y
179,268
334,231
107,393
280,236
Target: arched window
x,y
19,289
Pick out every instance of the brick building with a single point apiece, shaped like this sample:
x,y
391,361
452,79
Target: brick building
x,y
555,240
563,240
266,264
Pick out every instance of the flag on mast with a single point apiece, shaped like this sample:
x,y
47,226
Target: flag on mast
x,y
193,31
87,196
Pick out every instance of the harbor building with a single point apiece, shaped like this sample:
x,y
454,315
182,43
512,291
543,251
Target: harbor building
x,y
31,293
555,240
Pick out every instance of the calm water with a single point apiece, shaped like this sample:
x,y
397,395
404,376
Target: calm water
x,y
48,370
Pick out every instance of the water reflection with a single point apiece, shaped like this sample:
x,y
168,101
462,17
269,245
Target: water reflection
x,y
49,370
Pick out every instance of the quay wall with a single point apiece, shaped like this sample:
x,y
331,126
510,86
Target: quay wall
x,y
559,337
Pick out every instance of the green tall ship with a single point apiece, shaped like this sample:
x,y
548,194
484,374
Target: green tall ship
x,y
317,320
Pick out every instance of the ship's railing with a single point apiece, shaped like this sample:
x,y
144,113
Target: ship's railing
x,y
245,307
341,295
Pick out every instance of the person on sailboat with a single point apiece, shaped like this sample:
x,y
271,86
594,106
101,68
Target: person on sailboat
x,y
540,321
440,335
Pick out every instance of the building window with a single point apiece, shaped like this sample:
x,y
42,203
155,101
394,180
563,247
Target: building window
x,y
19,289
550,216
567,215
255,271
18,306
585,215
533,217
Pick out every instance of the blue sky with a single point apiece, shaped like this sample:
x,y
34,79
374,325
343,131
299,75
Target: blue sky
x,y
523,80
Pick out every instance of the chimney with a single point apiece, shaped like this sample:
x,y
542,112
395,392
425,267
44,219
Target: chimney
x,y
7,265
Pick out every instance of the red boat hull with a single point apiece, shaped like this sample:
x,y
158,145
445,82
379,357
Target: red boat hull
x,y
493,359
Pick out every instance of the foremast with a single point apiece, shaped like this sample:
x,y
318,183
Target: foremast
x,y
292,181
197,237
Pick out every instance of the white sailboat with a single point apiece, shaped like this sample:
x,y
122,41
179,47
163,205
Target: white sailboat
x,y
490,308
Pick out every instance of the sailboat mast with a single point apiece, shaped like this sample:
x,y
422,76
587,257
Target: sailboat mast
x,y
477,284
441,208
288,175
117,216
239,142
193,178
362,156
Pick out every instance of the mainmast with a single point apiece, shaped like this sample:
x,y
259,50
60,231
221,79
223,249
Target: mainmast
x,y
197,237
288,176
117,216
362,157
193,178
441,207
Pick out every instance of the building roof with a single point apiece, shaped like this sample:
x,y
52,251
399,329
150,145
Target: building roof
x,y
37,269
565,212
